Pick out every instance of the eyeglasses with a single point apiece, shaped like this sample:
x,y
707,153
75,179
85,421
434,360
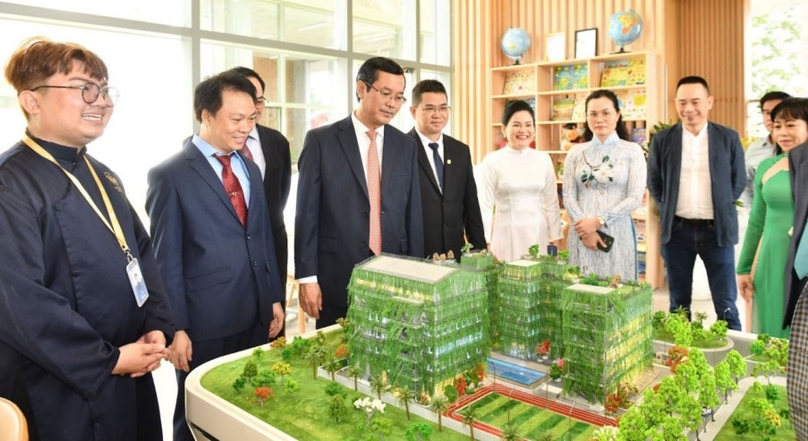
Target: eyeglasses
x,y
443,110
261,101
387,95
89,92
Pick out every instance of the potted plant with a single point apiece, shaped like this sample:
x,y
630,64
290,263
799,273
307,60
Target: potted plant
x,y
557,370
543,349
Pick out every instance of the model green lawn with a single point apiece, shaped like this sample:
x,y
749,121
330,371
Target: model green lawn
x,y
746,411
534,423
305,414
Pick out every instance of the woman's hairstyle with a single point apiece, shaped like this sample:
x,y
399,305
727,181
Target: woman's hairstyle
x,y
516,106
621,130
791,108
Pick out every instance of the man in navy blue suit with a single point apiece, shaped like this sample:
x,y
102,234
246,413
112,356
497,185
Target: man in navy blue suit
x,y
213,237
358,193
695,174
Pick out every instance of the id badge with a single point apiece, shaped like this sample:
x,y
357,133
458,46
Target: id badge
x,y
138,284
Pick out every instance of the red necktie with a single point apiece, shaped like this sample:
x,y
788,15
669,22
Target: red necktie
x,y
245,151
233,188
375,196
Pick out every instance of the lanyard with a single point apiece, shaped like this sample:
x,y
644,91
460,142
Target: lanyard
x,y
115,226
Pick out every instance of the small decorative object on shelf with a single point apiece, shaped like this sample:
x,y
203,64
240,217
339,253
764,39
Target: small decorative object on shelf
x,y
586,43
515,43
625,28
555,46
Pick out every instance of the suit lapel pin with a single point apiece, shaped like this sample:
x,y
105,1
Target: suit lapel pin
x,y
448,161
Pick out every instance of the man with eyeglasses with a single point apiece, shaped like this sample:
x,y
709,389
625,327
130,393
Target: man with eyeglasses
x,y
84,317
269,149
358,193
448,191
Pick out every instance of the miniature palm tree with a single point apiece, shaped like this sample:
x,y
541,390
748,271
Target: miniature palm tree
x,y
700,317
470,416
378,384
439,405
355,372
405,396
332,366
315,356
509,432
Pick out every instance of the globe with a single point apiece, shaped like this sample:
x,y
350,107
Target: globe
x,y
515,43
625,28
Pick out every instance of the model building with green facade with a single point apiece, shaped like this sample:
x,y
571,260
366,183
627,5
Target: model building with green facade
x,y
418,322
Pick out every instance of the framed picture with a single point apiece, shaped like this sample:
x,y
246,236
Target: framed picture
x,y
586,43
555,46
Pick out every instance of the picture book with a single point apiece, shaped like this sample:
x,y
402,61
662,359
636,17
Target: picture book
x,y
562,109
571,77
520,82
579,107
640,136
633,103
623,73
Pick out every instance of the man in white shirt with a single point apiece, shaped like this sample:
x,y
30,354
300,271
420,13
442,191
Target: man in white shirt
x,y
696,173
761,148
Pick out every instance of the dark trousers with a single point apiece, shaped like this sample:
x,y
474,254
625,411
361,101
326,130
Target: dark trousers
x,y
698,238
330,314
204,351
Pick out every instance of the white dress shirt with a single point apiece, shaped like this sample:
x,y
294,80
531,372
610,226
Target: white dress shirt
x,y
425,145
364,142
695,184
254,144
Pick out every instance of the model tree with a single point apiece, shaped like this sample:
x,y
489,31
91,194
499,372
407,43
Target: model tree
x,y
355,372
378,384
405,397
723,379
439,405
315,356
470,416
263,394
509,432
337,408
737,365
418,432
708,394
281,369
332,365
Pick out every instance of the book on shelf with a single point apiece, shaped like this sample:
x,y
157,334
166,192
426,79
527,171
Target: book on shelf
x,y
562,109
640,136
618,73
633,103
579,107
570,135
520,82
571,77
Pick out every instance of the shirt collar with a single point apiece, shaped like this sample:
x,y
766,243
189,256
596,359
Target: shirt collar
x,y
426,141
611,139
205,147
362,129
59,151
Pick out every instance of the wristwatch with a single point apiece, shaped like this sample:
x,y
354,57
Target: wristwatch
x,y
601,222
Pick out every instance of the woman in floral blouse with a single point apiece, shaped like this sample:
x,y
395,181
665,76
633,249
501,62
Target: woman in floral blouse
x,y
604,181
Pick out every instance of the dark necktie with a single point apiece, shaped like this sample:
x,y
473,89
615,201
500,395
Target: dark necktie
x,y
233,188
438,163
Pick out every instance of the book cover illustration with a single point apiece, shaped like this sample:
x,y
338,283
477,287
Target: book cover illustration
x,y
571,77
633,103
521,82
562,109
640,136
579,107
615,73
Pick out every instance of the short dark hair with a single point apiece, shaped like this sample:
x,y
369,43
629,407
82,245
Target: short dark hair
x,y
792,108
516,106
693,79
773,95
249,73
208,93
426,86
621,130
369,71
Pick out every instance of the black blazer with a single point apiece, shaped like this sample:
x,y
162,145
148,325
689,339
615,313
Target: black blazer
x,y
727,172
798,171
451,217
332,220
277,180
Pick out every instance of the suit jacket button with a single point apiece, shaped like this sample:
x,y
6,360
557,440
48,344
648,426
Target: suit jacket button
x,y
255,263
248,237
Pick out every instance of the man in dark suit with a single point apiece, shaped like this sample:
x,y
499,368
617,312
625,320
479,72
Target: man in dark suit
x,y
448,191
357,194
269,149
696,173
798,169
213,238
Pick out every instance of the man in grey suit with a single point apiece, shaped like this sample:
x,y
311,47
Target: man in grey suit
x,y
696,173
357,194
213,238
448,191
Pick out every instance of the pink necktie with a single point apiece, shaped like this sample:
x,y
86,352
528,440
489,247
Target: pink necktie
x,y
233,188
375,196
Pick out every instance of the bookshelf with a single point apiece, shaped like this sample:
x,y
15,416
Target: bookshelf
x,y
558,90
